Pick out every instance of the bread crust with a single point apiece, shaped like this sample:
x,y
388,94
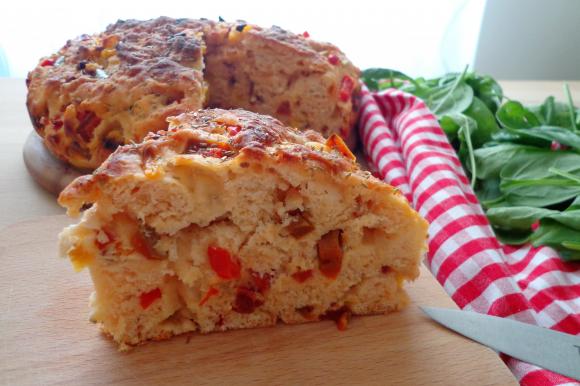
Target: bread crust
x,y
112,88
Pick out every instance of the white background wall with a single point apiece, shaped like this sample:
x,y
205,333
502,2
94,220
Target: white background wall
x,y
530,39
410,35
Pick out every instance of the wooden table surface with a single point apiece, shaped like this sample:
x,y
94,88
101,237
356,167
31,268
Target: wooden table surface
x,y
22,199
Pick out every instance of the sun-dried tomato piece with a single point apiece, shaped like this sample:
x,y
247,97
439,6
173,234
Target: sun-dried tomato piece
x,y
306,312
57,123
343,320
233,130
330,253
261,282
302,276
47,62
246,301
102,245
212,291
346,88
223,264
333,59
214,152
147,298
300,225
340,316
336,143
284,108
143,246
386,269
88,121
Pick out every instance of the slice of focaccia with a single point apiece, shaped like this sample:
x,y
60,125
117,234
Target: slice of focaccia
x,y
231,220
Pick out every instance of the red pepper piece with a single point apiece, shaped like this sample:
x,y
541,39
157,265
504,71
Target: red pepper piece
x,y
233,130
147,298
110,239
210,292
261,282
336,143
346,87
47,62
306,34
57,124
302,276
214,152
143,246
333,59
246,301
223,264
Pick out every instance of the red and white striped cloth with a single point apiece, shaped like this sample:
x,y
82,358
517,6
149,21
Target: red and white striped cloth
x,y
406,147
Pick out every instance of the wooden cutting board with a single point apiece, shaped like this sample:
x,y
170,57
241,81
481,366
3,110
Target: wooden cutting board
x,y
45,337
47,170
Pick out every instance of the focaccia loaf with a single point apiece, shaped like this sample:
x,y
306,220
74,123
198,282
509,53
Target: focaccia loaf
x,y
112,88
230,220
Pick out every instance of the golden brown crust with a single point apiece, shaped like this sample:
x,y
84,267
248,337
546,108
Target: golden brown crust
x,y
218,135
302,82
114,87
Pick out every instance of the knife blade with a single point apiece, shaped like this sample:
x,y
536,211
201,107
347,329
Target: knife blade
x,y
552,350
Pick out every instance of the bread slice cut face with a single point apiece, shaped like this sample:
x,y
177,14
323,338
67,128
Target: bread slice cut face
x,y
231,220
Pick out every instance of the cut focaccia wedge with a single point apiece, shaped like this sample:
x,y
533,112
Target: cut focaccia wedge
x,y
231,220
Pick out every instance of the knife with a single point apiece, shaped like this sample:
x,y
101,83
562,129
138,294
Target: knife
x,y
540,346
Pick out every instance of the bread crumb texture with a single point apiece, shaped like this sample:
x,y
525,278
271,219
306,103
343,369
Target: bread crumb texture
x,y
230,220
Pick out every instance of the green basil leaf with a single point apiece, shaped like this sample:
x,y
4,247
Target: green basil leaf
x,y
549,134
575,204
490,160
486,89
450,99
463,128
373,76
504,136
517,217
450,127
558,236
526,180
514,115
570,218
553,113
488,193
486,124
512,237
